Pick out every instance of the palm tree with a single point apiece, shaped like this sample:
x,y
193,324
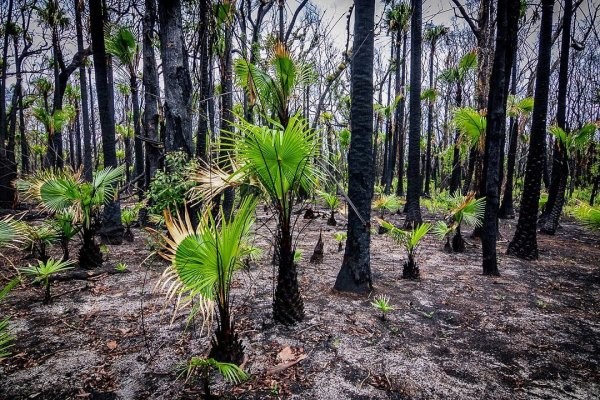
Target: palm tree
x,y
413,191
63,190
272,90
431,36
43,271
123,46
398,18
458,75
465,209
411,240
578,139
279,162
506,44
516,110
560,164
355,272
203,263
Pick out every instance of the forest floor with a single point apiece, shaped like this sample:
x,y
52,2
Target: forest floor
x,y
531,333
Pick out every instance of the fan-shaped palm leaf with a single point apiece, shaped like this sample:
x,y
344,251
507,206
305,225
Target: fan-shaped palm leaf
x,y
471,125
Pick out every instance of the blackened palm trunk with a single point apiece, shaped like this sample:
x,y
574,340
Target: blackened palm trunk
x,y
400,125
355,272
506,41
138,146
151,94
7,191
456,167
429,122
288,306
178,84
560,166
524,242
112,228
507,208
203,126
227,110
413,210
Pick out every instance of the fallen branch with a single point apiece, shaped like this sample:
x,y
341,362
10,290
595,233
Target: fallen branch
x,y
83,275
283,366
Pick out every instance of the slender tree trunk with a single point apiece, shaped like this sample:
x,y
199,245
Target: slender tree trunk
x,y
560,163
7,191
85,113
227,109
456,167
413,210
506,42
400,122
506,208
429,122
355,273
524,242
112,229
203,126
151,94
137,135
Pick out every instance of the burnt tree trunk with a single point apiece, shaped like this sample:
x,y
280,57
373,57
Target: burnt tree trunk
x,y
355,272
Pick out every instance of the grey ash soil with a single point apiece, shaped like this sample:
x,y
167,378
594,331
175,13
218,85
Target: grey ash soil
x,y
532,333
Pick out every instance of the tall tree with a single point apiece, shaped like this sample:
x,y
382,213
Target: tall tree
x,y
398,21
355,273
432,35
524,242
506,43
123,46
151,84
413,192
85,111
560,163
7,191
112,228
178,84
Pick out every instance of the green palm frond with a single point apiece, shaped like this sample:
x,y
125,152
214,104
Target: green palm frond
x,y
230,372
43,270
472,211
65,224
204,259
331,199
122,45
387,202
409,239
470,123
6,339
442,230
467,63
281,161
11,231
516,107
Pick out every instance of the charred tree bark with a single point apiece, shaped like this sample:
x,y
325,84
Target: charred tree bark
x,y
413,210
524,242
178,84
150,81
560,164
355,272
506,42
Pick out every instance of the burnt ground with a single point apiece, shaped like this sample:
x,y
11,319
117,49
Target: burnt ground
x,y
532,333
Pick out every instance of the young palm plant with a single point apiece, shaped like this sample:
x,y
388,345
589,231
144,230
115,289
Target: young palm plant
x,y
58,191
230,372
333,202
279,162
465,209
44,270
38,238
11,231
203,263
128,216
411,240
66,228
